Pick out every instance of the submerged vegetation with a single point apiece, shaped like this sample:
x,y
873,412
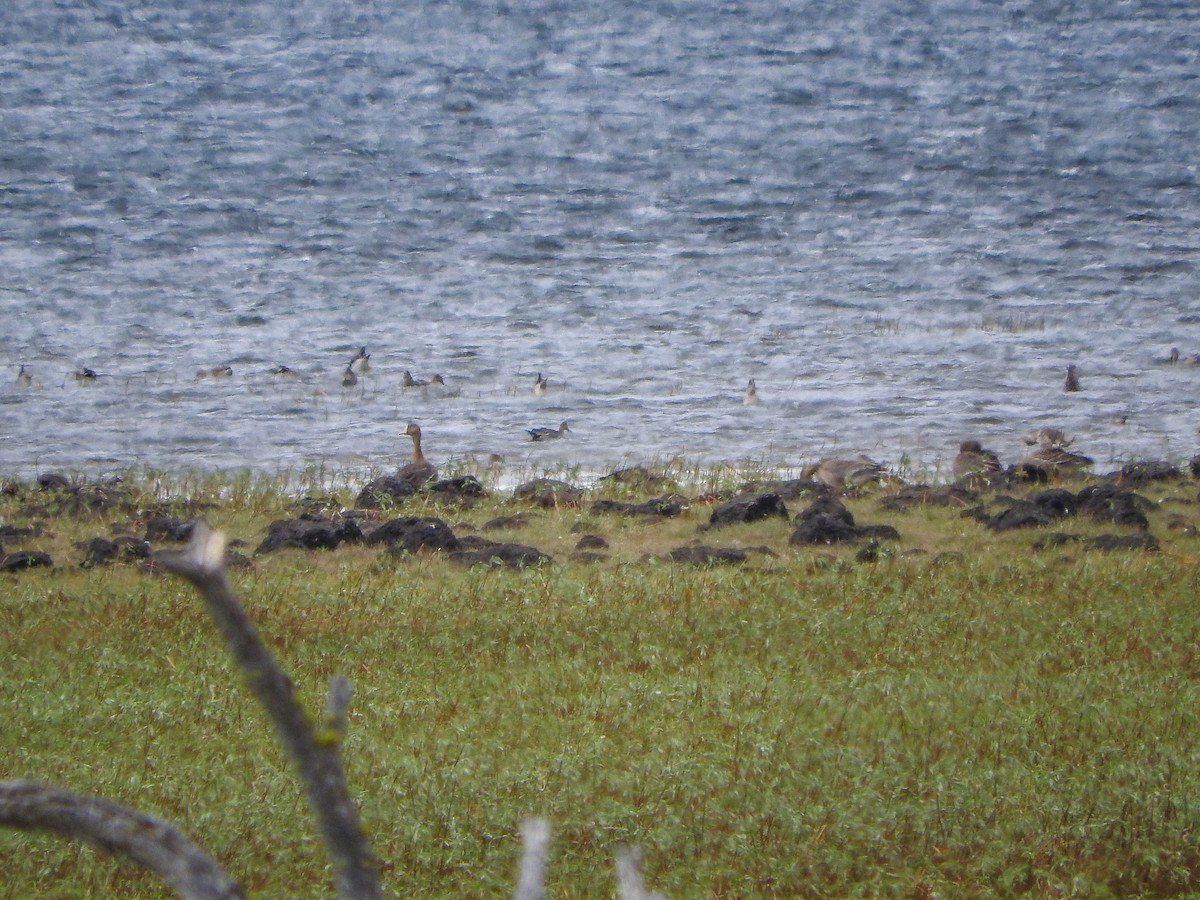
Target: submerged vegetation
x,y
965,709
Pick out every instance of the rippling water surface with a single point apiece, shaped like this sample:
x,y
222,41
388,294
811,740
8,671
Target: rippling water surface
x,y
902,220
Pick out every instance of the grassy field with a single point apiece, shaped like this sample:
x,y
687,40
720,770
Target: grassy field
x,y
962,716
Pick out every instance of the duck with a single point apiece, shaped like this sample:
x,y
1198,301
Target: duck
x,y
349,378
408,381
84,374
215,372
540,386
1071,384
840,473
548,434
24,379
361,364
973,461
419,470
285,372
1047,437
750,397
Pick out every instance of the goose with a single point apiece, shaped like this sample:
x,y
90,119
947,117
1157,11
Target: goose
x,y
419,470
24,379
548,434
1047,437
1051,459
540,385
349,378
974,461
839,473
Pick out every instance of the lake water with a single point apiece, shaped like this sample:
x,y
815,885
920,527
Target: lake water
x,y
902,219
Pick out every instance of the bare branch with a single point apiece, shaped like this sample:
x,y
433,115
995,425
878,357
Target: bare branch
x,y
315,753
629,876
535,837
158,846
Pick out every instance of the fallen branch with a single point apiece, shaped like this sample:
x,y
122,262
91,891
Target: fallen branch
x,y
153,843
316,753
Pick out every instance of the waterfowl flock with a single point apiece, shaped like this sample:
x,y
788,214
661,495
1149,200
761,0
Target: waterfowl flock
x,y
1049,454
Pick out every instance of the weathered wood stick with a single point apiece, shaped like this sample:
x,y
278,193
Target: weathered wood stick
x,y
158,846
316,754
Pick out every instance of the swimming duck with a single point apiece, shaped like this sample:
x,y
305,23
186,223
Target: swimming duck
x,y
84,374
1047,437
284,372
24,379
974,461
215,372
1071,385
361,364
548,434
408,381
750,397
419,470
349,379
840,473
540,385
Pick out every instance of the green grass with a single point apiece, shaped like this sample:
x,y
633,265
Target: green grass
x,y
974,720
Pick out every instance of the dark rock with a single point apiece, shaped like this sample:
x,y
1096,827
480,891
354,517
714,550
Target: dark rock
x,y
497,555
413,533
25,559
591,542
1106,503
700,555
1140,474
52,481
788,489
868,553
827,521
823,529
1056,539
664,507
501,523
1123,542
878,532
306,534
1055,502
1022,514
748,509
384,492
19,531
978,513
826,506
98,551
548,493
462,489
588,556
169,528
101,551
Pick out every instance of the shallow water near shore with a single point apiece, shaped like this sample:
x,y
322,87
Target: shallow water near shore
x,y
903,221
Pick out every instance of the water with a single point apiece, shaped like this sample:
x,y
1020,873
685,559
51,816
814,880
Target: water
x,y
902,219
